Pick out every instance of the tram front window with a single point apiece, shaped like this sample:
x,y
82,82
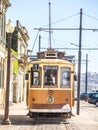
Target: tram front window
x,y
50,73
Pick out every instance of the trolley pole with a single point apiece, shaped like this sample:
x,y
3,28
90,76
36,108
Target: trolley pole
x,y
39,42
79,64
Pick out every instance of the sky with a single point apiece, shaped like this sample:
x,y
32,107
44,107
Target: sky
x,y
64,14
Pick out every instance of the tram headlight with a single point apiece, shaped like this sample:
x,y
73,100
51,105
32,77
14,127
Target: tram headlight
x,y
50,99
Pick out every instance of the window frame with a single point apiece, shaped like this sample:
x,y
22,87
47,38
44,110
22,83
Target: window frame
x,y
64,72
50,69
32,77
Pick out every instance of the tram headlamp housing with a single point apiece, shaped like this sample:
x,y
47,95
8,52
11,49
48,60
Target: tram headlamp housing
x,y
50,99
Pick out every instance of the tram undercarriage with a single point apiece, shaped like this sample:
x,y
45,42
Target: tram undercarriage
x,y
49,113
62,115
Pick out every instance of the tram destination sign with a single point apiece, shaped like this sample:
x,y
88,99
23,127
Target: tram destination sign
x,y
50,67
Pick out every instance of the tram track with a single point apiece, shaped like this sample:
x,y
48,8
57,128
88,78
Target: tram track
x,y
72,126
55,125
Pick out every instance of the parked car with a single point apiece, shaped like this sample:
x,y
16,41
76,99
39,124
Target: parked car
x,y
93,98
83,96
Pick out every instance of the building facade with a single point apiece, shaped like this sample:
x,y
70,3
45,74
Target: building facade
x,y
18,58
4,4
20,45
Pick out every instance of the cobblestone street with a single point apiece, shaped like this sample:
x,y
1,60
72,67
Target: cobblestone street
x,y
87,120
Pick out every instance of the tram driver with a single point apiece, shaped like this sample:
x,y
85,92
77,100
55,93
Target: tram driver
x,y
50,79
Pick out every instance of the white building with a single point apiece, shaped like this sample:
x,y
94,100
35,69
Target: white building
x,y
4,4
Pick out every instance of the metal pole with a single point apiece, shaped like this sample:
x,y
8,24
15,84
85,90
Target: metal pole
x,y
86,75
79,64
6,120
39,43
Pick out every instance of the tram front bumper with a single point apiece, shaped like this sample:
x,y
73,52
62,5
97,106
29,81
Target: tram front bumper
x,y
64,109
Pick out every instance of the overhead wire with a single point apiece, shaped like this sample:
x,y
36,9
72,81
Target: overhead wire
x,y
52,24
57,42
90,16
35,41
59,20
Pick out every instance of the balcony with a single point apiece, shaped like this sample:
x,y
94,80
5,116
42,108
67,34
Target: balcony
x,y
22,60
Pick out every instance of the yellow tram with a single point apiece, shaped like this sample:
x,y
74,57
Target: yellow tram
x,y
50,85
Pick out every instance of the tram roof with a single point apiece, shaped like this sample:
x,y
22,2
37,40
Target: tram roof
x,y
51,61
70,58
52,54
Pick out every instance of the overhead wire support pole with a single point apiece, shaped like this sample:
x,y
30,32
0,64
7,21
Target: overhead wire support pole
x,y
86,80
79,65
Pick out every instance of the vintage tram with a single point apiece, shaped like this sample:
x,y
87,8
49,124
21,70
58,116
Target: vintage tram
x,y
50,85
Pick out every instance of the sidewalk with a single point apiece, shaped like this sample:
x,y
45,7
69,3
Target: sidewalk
x,y
86,120
16,110
88,116
16,107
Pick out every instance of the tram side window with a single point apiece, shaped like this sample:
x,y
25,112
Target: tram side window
x,y
50,74
65,76
35,78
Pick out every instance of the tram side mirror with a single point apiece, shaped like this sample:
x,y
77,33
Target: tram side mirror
x,y
26,76
75,77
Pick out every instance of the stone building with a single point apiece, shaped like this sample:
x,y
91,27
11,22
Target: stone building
x,y
18,58
20,45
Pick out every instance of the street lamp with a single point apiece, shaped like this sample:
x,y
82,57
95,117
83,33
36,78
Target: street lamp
x,y
74,44
9,29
